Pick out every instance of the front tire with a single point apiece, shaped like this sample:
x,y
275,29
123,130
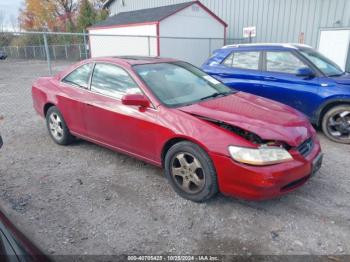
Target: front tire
x,y
336,124
191,172
57,127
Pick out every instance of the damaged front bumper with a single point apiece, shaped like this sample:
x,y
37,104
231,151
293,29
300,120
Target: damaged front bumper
x,y
265,182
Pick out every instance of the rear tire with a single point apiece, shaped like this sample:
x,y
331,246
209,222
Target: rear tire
x,y
191,172
336,124
57,127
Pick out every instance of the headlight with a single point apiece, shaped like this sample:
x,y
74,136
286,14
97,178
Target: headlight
x,y
264,155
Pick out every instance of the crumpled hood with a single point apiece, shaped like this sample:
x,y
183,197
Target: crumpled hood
x,y
268,119
344,79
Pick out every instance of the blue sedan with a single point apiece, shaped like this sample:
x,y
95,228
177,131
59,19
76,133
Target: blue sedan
x,y
295,75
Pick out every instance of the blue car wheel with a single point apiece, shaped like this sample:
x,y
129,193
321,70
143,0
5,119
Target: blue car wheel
x,y
336,124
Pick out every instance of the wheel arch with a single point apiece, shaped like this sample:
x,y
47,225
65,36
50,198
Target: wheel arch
x,y
47,106
322,110
174,140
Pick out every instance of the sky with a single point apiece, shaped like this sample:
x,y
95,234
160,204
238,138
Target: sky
x,y
10,9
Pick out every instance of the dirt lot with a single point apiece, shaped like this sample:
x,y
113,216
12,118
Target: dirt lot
x,y
85,199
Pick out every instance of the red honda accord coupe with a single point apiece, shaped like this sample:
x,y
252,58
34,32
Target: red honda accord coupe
x,y
169,113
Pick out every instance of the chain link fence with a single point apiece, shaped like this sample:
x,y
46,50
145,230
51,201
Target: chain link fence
x,y
34,54
60,52
70,47
32,45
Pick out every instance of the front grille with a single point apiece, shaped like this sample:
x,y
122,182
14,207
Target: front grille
x,y
306,147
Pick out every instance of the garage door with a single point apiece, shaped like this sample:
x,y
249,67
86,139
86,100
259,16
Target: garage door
x,y
334,44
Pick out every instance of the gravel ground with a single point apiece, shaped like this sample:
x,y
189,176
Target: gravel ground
x,y
85,199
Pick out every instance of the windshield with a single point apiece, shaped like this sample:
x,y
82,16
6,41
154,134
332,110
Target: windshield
x,y
179,83
325,65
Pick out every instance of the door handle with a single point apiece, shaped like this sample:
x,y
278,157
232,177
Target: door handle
x,y
89,105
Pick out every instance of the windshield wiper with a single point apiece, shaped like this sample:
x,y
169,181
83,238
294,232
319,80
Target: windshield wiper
x,y
216,94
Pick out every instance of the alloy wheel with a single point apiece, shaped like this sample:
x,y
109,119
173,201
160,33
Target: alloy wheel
x,y
339,125
55,125
188,173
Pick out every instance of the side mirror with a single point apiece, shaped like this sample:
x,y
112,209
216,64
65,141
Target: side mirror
x,y
135,100
305,72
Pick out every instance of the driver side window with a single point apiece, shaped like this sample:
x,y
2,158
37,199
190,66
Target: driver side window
x,y
283,62
113,81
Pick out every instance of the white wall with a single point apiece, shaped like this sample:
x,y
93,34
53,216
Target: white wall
x,y
119,44
334,44
193,22
276,21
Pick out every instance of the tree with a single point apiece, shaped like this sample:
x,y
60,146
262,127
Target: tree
x,y
89,14
50,14
37,15
65,10
86,16
102,14
60,15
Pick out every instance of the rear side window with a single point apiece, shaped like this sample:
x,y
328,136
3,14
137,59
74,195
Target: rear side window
x,y
112,80
283,62
80,76
244,60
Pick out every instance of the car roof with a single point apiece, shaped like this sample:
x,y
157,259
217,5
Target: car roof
x,y
266,46
134,60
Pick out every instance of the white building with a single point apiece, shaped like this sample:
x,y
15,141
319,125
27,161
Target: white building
x,y
187,31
